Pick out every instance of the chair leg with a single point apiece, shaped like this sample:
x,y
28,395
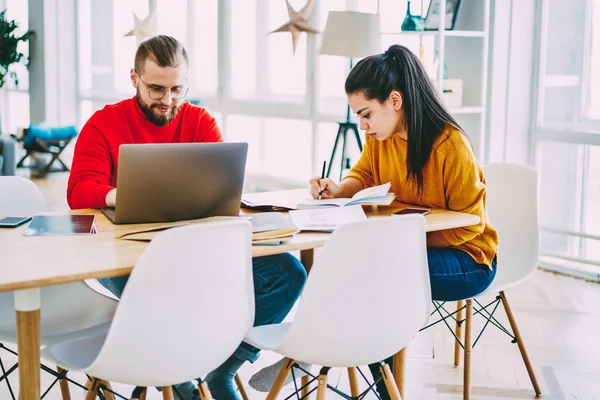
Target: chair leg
x,y
353,378
398,363
322,383
240,386
204,392
458,330
520,343
107,394
139,393
167,392
64,385
280,380
390,383
305,387
92,386
467,355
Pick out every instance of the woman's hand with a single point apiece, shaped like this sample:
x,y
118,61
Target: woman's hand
x,y
324,188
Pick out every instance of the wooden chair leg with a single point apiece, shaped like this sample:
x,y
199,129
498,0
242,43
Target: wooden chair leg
x,y
240,386
167,392
64,385
398,369
92,393
306,387
353,378
520,343
322,386
280,380
458,330
204,392
107,395
467,355
390,383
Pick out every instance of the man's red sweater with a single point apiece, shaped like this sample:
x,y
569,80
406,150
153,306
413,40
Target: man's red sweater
x,y
95,162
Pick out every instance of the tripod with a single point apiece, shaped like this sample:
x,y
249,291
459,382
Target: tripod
x,y
342,133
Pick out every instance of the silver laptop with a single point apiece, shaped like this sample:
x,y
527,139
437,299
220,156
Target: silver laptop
x,y
178,181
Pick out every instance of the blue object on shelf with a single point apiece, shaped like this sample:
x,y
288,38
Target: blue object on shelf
x,y
412,22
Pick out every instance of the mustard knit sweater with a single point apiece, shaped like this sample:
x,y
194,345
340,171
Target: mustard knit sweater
x,y
452,179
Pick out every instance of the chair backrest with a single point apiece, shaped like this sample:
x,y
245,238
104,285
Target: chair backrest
x,y
367,295
512,209
187,306
20,197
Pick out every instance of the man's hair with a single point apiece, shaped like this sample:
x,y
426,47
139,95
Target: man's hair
x,y
165,51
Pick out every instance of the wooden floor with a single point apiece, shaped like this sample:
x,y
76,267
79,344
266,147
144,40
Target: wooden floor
x,y
559,318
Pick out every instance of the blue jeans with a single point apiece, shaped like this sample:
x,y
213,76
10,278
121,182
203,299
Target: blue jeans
x,y
278,282
454,275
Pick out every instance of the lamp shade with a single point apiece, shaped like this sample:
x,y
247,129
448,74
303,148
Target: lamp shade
x,y
351,34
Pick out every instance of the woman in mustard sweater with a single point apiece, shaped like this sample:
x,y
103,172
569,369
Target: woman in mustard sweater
x,y
413,142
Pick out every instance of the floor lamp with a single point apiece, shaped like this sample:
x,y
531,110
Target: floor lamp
x,y
353,35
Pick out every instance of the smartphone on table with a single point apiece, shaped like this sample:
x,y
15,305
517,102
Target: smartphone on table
x,y
13,222
412,210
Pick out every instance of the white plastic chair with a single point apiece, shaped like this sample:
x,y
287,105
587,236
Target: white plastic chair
x,y
512,211
367,295
186,307
64,308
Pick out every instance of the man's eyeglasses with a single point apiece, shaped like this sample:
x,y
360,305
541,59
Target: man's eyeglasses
x,y
158,92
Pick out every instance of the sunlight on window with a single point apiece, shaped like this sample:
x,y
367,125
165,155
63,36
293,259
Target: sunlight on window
x,y
243,128
18,111
288,148
124,47
243,49
286,70
171,19
84,30
594,89
204,52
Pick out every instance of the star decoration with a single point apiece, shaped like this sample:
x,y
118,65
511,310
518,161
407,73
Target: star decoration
x,y
142,28
298,22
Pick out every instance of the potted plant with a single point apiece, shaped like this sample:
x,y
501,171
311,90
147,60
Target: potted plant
x,y
9,52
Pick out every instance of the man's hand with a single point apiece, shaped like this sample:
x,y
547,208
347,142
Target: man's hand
x,y
111,198
324,188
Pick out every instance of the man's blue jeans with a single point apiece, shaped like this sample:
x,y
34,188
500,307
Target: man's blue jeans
x,y
278,282
454,275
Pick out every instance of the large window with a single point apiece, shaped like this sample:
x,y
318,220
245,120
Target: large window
x,y
14,101
568,133
285,104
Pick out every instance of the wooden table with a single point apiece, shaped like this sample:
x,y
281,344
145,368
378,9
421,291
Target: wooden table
x,y
29,263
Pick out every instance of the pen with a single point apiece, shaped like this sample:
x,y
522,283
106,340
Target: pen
x,y
322,177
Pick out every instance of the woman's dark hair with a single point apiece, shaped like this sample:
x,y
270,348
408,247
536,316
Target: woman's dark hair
x,y
426,116
164,50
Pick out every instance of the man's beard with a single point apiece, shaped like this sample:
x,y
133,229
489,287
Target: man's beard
x,y
163,118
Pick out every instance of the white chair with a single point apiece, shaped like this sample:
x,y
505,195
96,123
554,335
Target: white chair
x,y
65,308
186,307
367,295
512,211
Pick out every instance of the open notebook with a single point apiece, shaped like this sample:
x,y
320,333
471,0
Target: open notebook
x,y
375,195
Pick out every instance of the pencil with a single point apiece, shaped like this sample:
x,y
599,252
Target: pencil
x,y
322,176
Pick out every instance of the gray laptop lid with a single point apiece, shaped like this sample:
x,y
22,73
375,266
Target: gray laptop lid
x,y
179,181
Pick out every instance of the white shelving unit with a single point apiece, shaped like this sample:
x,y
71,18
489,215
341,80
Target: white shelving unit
x,y
464,50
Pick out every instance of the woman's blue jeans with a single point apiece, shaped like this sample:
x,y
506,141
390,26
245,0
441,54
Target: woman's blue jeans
x,y
278,282
454,275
